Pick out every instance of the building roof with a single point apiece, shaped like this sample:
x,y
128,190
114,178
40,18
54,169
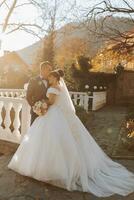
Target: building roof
x,y
12,60
28,55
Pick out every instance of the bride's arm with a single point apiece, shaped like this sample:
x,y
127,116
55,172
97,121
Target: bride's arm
x,y
51,99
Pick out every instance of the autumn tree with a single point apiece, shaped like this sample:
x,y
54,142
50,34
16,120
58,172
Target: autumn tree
x,y
57,14
69,50
66,54
49,41
112,54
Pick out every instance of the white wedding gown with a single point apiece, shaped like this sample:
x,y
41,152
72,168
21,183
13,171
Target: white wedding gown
x,y
59,150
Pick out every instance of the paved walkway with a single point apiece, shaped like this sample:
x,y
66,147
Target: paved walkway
x,y
16,187
104,125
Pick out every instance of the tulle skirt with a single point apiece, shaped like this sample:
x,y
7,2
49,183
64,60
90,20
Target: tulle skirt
x,y
59,150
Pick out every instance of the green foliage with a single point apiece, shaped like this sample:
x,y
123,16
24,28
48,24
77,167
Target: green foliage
x,y
83,76
80,72
70,81
84,64
119,69
130,113
127,130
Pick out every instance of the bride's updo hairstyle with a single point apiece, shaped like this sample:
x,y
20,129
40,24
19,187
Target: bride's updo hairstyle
x,y
58,73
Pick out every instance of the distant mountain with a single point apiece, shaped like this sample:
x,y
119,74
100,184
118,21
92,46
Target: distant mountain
x,y
94,40
29,54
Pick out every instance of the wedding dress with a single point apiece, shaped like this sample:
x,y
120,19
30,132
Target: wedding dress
x,y
59,150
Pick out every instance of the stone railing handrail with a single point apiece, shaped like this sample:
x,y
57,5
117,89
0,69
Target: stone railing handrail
x,y
98,99
12,92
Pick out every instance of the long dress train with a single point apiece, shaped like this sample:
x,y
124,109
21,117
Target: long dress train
x,y
59,150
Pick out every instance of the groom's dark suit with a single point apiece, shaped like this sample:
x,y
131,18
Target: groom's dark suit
x,y
36,91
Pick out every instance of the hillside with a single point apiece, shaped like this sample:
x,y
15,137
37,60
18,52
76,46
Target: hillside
x,y
93,41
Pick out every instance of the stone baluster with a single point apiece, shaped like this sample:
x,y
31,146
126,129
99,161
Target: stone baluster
x,y
6,94
72,97
75,99
26,117
17,108
7,120
14,94
94,101
1,106
86,98
11,94
81,103
18,94
24,93
21,94
71,94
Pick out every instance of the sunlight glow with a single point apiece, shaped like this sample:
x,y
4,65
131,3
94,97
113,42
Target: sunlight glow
x,y
1,52
16,158
26,138
18,40
2,35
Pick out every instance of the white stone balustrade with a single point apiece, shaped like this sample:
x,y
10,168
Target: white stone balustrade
x,y
98,99
20,122
13,101
12,92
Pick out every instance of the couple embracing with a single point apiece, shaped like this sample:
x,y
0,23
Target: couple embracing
x,y
59,150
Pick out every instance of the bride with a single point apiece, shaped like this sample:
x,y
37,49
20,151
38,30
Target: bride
x,y
59,150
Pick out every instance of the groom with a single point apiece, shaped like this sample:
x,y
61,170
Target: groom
x,y
37,87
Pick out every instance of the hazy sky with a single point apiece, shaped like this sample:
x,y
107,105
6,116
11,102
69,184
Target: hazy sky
x,y
20,39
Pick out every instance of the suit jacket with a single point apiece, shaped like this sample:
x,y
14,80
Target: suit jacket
x,y
36,91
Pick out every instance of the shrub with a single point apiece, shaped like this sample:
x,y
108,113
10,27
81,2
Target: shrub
x,y
127,133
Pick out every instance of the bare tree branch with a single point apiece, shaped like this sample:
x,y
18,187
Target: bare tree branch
x,y
2,3
8,16
23,4
30,32
102,14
